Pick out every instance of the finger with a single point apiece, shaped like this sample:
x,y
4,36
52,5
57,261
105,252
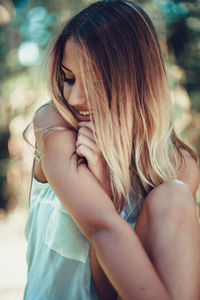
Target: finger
x,y
87,141
90,155
86,124
87,132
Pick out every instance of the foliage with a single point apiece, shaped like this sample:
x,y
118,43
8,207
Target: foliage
x,y
27,26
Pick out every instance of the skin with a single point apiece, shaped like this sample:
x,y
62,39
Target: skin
x,y
97,218
161,270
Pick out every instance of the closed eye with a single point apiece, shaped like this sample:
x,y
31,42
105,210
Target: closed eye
x,y
70,81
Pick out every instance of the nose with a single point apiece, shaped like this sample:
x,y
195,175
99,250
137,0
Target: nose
x,y
77,95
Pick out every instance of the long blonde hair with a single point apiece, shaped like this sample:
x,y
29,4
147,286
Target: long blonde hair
x,y
126,87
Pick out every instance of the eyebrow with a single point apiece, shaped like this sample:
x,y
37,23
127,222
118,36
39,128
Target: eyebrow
x,y
65,68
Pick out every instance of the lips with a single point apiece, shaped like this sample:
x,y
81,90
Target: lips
x,y
82,117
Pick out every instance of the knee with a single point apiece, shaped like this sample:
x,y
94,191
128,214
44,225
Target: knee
x,y
171,203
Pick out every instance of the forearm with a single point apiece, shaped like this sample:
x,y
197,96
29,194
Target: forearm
x,y
126,264
103,286
79,191
118,249
93,211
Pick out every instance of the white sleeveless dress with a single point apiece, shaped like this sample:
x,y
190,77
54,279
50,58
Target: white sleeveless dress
x,y
58,254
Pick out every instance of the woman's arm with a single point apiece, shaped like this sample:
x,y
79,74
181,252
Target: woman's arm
x,y
97,167
118,249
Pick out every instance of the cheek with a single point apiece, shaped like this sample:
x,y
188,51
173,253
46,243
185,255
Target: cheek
x,y
66,91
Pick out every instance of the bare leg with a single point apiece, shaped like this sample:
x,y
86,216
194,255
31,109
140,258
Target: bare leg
x,y
170,233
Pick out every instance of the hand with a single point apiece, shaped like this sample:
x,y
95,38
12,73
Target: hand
x,y
87,148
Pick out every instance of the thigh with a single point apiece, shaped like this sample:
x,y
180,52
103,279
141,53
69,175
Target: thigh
x,y
170,233
170,202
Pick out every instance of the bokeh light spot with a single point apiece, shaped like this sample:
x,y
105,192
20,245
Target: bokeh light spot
x,y
28,54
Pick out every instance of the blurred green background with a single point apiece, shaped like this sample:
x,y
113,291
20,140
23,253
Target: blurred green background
x,y
26,28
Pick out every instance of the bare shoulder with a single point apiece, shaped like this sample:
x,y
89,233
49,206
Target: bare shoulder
x,y
48,116
53,137
189,172
50,128
48,121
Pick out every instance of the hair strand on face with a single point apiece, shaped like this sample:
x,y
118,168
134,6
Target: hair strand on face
x,y
125,84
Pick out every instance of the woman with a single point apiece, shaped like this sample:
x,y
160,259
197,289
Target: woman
x,y
106,147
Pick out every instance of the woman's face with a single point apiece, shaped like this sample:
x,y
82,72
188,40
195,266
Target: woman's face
x,y
73,87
